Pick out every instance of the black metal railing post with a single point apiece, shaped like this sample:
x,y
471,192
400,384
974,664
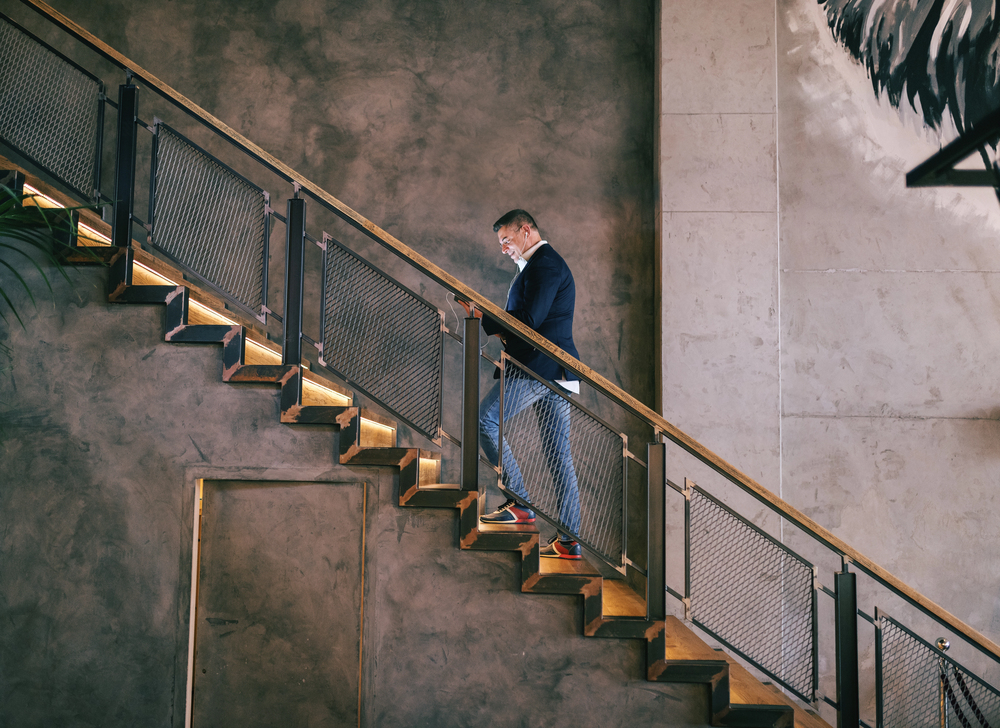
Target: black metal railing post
x,y
846,619
470,405
121,221
295,246
656,513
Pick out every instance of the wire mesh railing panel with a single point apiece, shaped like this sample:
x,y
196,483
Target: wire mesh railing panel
x,y
560,450
383,339
751,593
209,219
970,701
922,688
48,109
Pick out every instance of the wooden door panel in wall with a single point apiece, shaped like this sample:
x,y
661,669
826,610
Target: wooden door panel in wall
x,y
278,621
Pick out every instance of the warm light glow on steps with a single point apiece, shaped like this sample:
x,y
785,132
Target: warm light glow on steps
x,y
86,235
376,434
39,199
317,394
258,354
620,601
145,276
430,470
313,393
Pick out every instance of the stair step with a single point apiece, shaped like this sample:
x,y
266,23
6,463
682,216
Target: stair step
x,y
621,601
140,294
745,688
315,394
319,415
91,255
737,697
375,444
683,644
199,334
505,528
261,373
567,566
493,537
376,431
380,456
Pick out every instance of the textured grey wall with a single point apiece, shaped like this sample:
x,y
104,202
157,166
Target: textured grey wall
x,y
890,330
98,489
279,603
433,118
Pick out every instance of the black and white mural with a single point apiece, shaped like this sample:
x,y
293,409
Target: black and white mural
x,y
938,56
872,88
890,296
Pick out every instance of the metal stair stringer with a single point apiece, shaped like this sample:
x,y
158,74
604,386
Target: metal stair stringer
x,y
418,470
674,653
233,338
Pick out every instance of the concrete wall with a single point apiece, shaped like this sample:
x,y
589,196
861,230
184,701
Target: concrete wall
x,y
431,119
825,329
434,118
100,467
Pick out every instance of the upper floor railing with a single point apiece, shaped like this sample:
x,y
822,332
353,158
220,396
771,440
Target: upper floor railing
x,y
762,578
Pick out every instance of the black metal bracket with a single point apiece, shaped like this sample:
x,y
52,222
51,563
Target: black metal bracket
x,y
939,169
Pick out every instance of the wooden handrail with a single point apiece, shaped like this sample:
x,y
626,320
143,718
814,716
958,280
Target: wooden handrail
x,y
599,382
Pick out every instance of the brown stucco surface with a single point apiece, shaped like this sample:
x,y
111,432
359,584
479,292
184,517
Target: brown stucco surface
x,y
431,119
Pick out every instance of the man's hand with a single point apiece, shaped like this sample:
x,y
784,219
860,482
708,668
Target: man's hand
x,y
470,309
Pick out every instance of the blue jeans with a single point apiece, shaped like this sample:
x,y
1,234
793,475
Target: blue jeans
x,y
553,414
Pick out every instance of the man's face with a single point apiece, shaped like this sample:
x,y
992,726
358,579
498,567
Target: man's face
x,y
513,241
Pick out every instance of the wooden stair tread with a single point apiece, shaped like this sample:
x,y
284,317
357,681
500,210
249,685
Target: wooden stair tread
x,y
504,528
683,644
388,456
322,395
748,690
375,432
440,486
566,566
142,276
621,601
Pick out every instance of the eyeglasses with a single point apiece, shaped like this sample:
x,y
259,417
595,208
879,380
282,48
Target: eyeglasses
x,y
504,242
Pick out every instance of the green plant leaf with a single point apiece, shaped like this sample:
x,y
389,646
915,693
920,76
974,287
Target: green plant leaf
x,y
32,232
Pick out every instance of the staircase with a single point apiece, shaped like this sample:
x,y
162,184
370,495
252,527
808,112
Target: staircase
x,y
611,609
745,588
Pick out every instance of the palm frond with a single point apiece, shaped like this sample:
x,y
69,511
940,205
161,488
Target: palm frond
x,y
32,233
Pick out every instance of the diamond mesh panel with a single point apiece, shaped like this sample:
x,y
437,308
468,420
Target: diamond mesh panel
x,y
916,679
383,339
597,459
209,219
48,109
751,593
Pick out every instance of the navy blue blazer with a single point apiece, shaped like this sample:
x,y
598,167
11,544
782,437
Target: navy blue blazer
x,y
542,297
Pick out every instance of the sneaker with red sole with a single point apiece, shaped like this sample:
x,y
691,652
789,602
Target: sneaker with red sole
x,y
559,549
509,513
